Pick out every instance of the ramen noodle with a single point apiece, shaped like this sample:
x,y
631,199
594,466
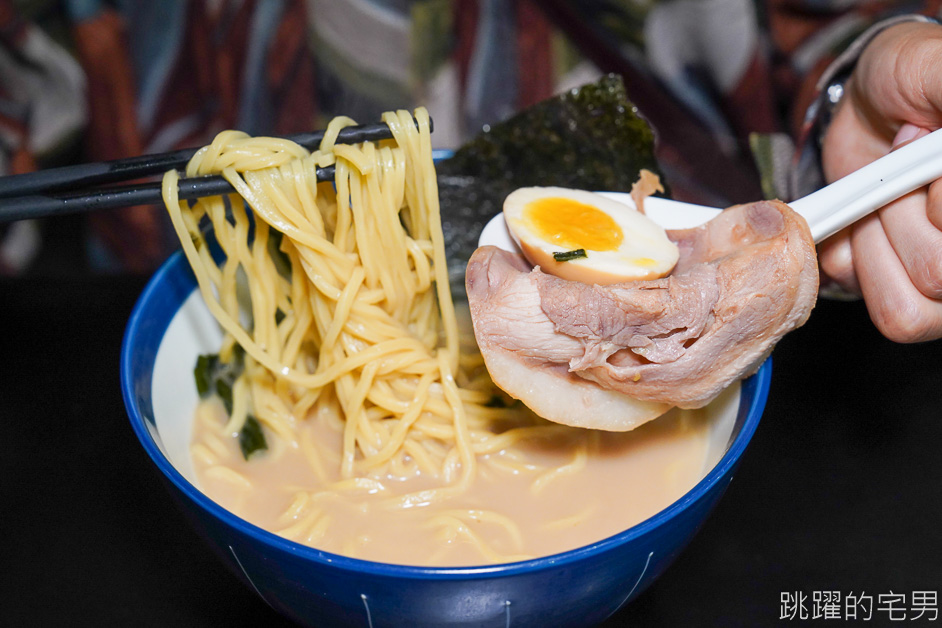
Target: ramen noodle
x,y
346,409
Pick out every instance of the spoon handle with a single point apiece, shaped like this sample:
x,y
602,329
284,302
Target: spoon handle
x,y
845,201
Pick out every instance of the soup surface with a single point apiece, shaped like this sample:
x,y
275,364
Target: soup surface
x,y
541,497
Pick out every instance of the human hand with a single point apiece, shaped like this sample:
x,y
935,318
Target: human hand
x,y
893,257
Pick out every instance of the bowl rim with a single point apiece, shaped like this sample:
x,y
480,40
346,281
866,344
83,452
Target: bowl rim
x,y
141,322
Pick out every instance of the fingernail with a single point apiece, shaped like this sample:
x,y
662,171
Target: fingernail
x,y
907,133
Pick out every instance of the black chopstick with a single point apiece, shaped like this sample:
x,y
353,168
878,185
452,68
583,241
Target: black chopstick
x,y
47,206
60,191
88,175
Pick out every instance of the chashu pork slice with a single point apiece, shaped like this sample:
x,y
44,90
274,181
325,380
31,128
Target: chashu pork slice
x,y
613,357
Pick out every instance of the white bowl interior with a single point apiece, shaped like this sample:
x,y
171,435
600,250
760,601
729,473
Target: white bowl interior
x,y
193,331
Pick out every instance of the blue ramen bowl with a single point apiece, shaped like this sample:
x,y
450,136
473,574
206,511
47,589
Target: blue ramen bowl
x,y
170,326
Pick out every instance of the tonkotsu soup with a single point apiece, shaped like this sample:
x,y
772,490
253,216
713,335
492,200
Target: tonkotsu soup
x,y
554,493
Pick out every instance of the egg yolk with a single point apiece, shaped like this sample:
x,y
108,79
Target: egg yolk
x,y
572,225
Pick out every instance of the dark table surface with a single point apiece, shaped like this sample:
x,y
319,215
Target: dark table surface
x,y
840,491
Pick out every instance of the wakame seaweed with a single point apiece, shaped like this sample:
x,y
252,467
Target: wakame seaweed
x,y
204,372
213,376
251,437
210,369
568,256
588,138
224,392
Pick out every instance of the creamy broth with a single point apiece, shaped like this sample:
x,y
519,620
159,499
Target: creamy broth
x,y
522,504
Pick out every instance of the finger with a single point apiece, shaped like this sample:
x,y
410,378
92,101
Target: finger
x,y
896,84
836,262
909,133
934,204
897,308
916,241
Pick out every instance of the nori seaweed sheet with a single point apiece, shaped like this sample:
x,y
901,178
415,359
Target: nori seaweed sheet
x,y
589,138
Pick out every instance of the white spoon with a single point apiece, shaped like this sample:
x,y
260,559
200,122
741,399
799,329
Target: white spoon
x,y
827,210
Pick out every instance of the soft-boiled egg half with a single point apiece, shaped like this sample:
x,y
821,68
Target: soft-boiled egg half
x,y
587,237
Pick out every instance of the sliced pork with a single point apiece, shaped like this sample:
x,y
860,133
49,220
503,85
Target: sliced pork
x,y
612,357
